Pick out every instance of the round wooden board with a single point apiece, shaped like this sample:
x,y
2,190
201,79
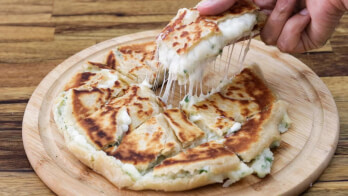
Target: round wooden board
x,y
305,151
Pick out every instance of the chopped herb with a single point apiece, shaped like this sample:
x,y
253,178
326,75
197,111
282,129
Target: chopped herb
x,y
269,159
263,166
220,51
187,99
185,71
286,125
203,170
212,46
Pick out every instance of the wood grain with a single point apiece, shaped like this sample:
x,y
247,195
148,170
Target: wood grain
x,y
12,155
22,183
24,63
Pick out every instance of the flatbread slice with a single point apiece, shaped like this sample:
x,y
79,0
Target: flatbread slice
x,y
257,133
102,119
205,164
250,85
139,60
190,40
187,132
147,145
218,114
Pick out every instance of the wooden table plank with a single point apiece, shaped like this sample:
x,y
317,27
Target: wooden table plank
x,y
12,112
120,7
12,154
40,34
15,94
328,188
30,33
22,183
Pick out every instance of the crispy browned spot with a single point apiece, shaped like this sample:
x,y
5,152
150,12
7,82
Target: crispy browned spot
x,y
255,87
248,134
170,28
111,60
100,65
171,118
200,153
79,80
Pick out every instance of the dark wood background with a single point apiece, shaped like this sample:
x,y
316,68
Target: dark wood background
x,y
37,35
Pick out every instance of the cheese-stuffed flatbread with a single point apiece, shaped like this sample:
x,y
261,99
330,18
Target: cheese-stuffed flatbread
x,y
190,40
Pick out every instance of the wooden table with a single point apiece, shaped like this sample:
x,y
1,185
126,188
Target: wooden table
x,y
37,35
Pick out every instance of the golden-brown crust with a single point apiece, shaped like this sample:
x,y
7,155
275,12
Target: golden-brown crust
x,y
182,33
250,85
258,132
145,144
185,130
139,60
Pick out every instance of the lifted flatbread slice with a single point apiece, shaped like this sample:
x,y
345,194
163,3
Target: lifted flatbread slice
x,y
148,144
186,131
190,40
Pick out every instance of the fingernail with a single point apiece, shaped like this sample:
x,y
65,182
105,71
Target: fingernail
x,y
205,3
304,12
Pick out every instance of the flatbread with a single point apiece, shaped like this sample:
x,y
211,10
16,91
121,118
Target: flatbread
x,y
149,143
186,131
257,133
139,60
103,119
238,100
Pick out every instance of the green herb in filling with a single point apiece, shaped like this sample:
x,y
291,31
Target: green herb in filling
x,y
187,99
269,159
203,170
286,125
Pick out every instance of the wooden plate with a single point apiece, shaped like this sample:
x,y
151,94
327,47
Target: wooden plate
x,y
305,151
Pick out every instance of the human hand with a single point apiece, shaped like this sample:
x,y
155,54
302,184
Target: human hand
x,y
293,25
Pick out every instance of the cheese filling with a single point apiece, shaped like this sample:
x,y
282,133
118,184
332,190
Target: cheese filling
x,y
124,120
263,163
107,79
284,124
189,67
235,127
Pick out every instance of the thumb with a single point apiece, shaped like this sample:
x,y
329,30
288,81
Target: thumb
x,y
214,7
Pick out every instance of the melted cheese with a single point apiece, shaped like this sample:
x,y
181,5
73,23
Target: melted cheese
x,y
124,120
107,79
189,67
263,163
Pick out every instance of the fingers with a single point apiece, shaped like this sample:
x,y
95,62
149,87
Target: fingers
x,y
213,7
293,37
265,4
276,21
